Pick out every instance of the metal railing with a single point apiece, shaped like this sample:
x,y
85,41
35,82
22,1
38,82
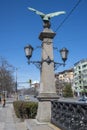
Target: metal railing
x,y
69,115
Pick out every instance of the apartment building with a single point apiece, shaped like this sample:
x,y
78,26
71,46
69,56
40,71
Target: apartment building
x,y
65,76
80,77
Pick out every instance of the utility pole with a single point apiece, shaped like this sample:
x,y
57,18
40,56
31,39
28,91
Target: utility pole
x,y
16,81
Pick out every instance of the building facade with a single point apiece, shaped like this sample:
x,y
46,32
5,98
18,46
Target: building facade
x,y
80,77
65,76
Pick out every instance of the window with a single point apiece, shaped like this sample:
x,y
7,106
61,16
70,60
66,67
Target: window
x,y
84,65
79,67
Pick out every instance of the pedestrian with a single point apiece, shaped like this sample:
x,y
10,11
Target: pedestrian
x,y
0,98
3,101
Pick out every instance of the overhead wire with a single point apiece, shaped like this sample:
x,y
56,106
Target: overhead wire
x,y
68,15
71,11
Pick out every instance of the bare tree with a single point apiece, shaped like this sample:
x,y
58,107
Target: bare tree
x,y
6,76
59,87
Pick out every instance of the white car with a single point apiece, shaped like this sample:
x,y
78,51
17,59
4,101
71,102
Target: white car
x,y
26,97
83,100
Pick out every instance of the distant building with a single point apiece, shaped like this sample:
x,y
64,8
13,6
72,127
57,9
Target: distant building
x,y
35,86
80,77
65,76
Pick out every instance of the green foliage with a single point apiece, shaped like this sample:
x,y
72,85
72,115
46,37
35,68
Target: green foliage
x,y
67,91
25,110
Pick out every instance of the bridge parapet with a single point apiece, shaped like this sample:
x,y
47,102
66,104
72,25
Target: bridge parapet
x,y
69,115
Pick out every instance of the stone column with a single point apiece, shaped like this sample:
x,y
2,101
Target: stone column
x,y
47,84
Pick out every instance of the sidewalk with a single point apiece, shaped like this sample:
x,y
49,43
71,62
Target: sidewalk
x,y
33,124
8,120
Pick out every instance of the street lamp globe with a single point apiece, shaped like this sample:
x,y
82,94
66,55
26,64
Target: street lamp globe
x,y
64,53
28,51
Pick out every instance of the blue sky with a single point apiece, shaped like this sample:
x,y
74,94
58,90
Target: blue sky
x,y
19,27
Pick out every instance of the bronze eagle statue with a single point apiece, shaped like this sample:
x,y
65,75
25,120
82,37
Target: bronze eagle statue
x,y
46,17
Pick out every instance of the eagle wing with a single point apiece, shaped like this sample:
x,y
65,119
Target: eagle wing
x,y
37,12
55,14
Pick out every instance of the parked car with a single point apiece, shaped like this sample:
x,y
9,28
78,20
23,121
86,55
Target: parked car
x,y
26,97
83,99
21,97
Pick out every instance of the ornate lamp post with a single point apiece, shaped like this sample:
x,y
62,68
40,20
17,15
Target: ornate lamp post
x,y
47,65
29,50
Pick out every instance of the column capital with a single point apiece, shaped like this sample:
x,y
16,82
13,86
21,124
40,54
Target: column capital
x,y
47,33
